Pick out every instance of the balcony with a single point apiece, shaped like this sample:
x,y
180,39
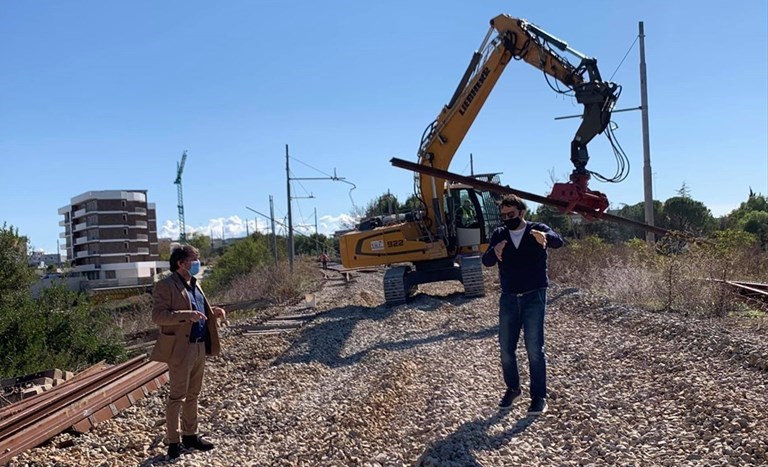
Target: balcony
x,y
81,254
80,227
78,213
81,240
142,251
142,238
140,211
63,223
142,224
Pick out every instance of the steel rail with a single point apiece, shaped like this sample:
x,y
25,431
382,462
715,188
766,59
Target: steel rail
x,y
65,397
578,209
24,404
84,406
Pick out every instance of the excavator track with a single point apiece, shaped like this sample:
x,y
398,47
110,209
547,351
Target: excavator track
x,y
472,276
394,285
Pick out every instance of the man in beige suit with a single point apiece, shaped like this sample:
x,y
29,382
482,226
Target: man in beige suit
x,y
188,332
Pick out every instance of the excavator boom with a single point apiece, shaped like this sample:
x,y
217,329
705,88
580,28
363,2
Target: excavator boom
x,y
436,242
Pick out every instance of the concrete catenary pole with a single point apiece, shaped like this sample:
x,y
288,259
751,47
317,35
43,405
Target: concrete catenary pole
x,y
290,219
272,220
647,173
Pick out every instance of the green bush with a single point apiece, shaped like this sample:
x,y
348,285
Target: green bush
x,y
57,330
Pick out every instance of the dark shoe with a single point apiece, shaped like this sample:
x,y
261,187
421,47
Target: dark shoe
x,y
196,442
174,450
538,407
509,398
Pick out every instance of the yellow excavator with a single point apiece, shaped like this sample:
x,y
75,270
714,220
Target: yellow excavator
x,y
443,240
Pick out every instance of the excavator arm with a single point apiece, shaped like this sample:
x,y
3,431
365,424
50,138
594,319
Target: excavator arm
x,y
510,38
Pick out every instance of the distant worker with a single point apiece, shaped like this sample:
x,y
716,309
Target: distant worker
x,y
467,214
520,250
324,259
188,332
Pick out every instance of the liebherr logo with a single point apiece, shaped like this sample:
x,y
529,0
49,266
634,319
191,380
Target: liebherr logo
x,y
473,92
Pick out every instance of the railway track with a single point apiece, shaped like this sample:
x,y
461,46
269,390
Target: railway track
x,y
100,392
754,293
92,396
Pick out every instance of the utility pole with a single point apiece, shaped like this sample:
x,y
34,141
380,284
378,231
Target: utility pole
x,y
317,239
290,221
471,166
177,182
647,174
272,219
290,198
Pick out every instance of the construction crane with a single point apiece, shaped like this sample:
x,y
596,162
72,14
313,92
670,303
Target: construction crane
x,y
179,170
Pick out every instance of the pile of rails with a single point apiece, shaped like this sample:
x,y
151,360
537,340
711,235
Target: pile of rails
x,y
78,403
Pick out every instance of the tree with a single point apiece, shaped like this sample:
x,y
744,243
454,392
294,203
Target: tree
x,y
412,203
202,242
551,216
687,215
15,274
239,259
684,191
749,217
385,204
756,223
59,329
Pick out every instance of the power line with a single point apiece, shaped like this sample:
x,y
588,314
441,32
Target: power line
x,y
625,57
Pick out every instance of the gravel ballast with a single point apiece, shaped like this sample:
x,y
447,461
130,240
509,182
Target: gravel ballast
x,y
417,384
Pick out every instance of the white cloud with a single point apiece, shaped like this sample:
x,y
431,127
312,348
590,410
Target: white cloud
x,y
227,227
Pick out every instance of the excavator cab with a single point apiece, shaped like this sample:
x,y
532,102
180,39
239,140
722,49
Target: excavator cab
x,y
471,216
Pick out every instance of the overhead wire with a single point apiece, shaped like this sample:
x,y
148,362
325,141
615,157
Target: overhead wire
x,y
625,57
334,178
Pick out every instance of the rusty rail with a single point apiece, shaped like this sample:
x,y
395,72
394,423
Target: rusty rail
x,y
93,396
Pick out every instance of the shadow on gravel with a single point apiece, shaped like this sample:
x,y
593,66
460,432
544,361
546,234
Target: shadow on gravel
x,y
323,342
160,459
459,447
561,294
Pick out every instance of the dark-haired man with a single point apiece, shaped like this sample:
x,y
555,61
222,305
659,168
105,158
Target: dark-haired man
x,y
520,250
188,332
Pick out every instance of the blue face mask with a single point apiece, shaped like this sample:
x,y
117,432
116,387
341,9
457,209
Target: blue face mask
x,y
194,268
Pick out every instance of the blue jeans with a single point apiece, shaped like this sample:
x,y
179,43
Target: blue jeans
x,y
523,311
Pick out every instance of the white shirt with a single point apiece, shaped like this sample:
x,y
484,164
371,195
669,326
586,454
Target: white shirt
x,y
517,235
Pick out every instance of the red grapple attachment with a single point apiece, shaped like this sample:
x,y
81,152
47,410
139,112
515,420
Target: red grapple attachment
x,y
576,193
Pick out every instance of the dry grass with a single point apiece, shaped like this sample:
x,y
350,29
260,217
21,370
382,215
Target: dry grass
x,y
685,281
273,283
268,285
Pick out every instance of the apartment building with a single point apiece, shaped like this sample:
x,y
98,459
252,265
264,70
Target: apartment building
x,y
111,238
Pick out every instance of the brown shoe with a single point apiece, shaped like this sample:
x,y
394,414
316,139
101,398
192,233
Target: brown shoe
x,y
196,442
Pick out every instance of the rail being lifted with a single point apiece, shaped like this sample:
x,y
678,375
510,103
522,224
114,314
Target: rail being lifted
x,y
585,211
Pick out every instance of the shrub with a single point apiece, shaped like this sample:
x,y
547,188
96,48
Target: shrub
x,y
271,282
57,330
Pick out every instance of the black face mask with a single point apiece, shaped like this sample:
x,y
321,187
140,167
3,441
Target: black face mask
x,y
512,224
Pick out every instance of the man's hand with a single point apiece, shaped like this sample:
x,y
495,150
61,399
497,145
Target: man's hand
x,y
218,312
197,316
499,248
540,237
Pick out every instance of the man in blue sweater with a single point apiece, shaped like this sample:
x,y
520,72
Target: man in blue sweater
x,y
520,250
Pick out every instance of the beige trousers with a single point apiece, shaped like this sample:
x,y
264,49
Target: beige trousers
x,y
186,381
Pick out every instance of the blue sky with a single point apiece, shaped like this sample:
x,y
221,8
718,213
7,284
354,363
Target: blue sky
x,y
107,95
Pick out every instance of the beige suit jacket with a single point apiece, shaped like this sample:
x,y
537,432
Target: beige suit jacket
x,y
172,311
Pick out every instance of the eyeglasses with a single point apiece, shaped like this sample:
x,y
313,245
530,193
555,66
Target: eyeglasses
x,y
510,215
